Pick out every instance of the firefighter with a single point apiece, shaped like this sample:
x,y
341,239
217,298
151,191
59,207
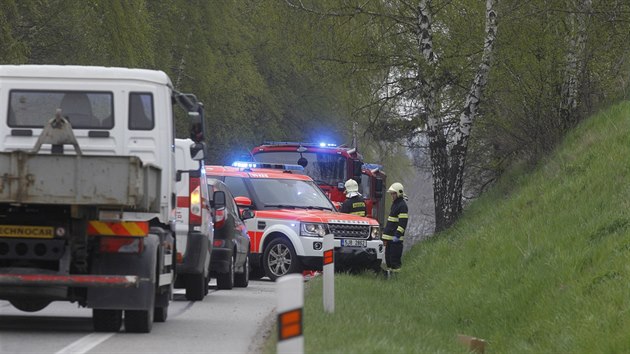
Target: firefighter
x,y
354,203
394,231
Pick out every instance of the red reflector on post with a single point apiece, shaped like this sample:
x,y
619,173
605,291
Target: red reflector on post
x,y
290,324
328,257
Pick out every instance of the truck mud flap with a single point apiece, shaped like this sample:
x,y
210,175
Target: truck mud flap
x,y
136,298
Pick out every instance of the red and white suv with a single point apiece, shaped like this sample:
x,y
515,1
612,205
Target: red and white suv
x,y
291,216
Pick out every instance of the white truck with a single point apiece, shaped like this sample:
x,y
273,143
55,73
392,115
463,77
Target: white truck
x,y
87,190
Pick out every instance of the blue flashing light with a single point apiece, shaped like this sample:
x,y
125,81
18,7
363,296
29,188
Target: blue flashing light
x,y
243,164
275,166
324,144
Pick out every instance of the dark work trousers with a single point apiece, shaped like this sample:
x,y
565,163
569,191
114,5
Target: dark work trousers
x,y
393,254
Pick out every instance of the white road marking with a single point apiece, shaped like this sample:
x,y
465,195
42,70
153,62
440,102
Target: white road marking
x,y
86,343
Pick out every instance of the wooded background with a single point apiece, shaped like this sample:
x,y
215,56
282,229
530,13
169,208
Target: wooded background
x,y
307,70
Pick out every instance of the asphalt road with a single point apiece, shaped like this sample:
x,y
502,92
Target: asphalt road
x,y
226,321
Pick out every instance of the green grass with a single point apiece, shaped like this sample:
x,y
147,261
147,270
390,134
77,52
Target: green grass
x,y
540,264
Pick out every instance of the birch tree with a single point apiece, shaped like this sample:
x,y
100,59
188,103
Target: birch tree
x,y
425,90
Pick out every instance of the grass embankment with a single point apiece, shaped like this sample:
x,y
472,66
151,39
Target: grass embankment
x,y
540,264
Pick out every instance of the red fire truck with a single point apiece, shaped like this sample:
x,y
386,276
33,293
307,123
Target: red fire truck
x,y
330,165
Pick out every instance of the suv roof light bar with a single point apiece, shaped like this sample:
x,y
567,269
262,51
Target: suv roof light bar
x,y
275,166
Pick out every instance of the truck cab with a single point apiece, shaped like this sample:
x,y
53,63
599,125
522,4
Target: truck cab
x,y
330,166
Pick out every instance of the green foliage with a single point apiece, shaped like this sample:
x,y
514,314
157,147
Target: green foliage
x,y
538,264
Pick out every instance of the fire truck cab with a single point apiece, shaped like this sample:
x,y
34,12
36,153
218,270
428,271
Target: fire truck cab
x,y
330,165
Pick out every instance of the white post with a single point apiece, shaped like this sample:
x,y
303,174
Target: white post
x,y
329,273
290,296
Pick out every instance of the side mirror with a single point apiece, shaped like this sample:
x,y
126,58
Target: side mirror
x,y
198,151
219,199
378,188
243,202
357,168
196,126
247,214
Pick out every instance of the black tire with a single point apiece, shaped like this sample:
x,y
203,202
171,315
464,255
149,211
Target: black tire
x,y
280,259
160,314
106,320
256,273
195,287
29,305
225,281
138,321
241,280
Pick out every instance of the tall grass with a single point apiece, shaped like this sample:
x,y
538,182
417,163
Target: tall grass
x,y
540,264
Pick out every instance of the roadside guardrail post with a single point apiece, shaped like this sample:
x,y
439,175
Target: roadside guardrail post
x,y
290,305
329,273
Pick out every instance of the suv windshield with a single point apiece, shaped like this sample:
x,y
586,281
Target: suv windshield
x,y
289,193
324,168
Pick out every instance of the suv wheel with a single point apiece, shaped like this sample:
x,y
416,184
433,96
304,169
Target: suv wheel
x,y
225,281
242,279
280,259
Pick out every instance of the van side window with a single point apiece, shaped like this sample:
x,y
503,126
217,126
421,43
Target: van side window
x,y
141,115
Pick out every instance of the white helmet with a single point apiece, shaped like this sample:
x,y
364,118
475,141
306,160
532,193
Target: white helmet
x,y
352,186
397,188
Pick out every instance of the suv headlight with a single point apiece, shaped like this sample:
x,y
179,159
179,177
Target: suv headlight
x,y
313,229
375,233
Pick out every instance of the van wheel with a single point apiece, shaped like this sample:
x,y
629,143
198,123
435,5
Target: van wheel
x,y
280,259
242,279
225,281
106,320
195,287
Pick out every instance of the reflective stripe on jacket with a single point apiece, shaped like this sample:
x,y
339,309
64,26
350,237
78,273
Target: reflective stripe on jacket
x,y
354,205
397,220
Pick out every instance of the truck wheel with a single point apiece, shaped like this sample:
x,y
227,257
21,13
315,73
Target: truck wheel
x,y
241,280
280,259
160,314
139,321
106,320
195,287
29,305
225,281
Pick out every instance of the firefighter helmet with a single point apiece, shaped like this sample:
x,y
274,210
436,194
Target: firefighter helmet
x,y
397,188
351,186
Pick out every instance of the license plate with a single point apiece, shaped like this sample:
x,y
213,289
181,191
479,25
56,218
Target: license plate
x,y
353,243
26,231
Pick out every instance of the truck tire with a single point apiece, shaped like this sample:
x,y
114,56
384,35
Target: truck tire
x,y
195,287
160,314
29,305
241,280
106,320
280,259
225,281
139,321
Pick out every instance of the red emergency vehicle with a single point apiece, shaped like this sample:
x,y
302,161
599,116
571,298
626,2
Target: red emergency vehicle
x,y
330,166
